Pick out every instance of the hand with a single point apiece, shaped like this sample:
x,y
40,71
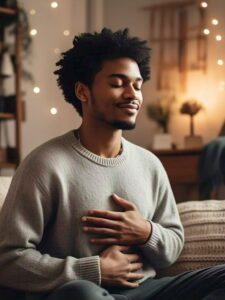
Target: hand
x,y
117,228
118,268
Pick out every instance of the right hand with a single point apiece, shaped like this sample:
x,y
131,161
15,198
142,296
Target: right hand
x,y
118,268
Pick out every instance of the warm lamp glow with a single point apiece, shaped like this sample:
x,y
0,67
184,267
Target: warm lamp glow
x,y
218,37
206,31
215,22
66,32
36,90
204,4
33,32
220,62
54,4
32,12
53,111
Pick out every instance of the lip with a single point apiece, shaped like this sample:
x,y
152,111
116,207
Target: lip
x,y
130,106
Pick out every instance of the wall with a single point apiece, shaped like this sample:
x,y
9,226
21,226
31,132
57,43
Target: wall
x,y
50,23
81,15
130,13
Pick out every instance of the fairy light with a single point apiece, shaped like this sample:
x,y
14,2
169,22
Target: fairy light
x,y
36,90
215,22
33,32
56,50
54,4
53,111
219,62
218,37
204,4
206,31
66,32
32,12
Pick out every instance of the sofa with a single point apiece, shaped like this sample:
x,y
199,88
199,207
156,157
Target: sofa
x,y
204,227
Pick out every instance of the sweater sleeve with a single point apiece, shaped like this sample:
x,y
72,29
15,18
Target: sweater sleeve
x,y
25,213
167,238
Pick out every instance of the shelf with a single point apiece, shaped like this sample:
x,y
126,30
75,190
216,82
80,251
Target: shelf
x,y
7,165
7,116
8,11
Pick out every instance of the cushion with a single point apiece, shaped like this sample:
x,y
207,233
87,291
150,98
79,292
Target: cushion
x,y
204,229
4,186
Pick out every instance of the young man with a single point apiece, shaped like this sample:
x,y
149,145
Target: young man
x,y
90,209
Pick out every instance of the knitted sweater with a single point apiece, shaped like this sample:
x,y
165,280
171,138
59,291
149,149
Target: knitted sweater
x,y
42,243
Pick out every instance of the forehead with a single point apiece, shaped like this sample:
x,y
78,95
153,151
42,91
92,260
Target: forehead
x,y
125,66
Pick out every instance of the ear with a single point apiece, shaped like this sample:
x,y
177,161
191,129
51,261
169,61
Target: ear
x,y
82,91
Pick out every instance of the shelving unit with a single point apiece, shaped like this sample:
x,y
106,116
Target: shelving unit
x,y
12,154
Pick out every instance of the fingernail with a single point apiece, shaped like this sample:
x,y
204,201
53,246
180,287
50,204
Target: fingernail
x,y
83,219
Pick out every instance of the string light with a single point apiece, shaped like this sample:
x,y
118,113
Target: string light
x,y
219,62
66,32
53,111
215,22
206,31
33,32
204,4
36,90
56,50
32,12
218,37
54,4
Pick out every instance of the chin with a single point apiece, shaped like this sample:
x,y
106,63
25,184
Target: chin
x,y
123,125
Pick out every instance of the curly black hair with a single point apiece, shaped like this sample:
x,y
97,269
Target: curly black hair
x,y
84,60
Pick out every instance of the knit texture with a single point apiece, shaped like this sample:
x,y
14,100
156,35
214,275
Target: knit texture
x,y
204,229
44,245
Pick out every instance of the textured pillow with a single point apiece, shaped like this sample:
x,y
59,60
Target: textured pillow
x,y
204,229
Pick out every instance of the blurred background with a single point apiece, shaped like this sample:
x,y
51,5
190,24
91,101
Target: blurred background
x,y
184,99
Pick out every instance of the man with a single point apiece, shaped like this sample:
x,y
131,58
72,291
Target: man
x,y
90,209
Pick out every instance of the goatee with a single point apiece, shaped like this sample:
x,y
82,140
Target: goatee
x,y
123,125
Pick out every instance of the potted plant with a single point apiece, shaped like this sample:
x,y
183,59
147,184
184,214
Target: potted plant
x,y
191,108
160,112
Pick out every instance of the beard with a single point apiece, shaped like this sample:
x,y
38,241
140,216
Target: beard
x,y
123,125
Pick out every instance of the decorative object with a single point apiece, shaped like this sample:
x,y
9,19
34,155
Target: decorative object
x,y
191,107
160,112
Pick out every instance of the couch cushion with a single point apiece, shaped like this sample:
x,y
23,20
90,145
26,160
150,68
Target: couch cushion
x,y
204,228
4,186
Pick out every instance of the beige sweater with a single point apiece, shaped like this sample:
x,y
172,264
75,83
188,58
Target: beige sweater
x,y
42,244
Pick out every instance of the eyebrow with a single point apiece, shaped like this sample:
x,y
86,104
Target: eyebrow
x,y
123,76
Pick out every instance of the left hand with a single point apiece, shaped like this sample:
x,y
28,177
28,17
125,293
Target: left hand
x,y
117,228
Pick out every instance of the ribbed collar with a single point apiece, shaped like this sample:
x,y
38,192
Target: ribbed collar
x,y
107,162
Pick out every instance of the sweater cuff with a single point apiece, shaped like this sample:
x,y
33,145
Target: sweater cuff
x,y
152,242
89,269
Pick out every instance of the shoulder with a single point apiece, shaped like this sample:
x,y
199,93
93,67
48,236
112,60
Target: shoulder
x,y
48,155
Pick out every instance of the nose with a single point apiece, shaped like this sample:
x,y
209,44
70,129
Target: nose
x,y
130,93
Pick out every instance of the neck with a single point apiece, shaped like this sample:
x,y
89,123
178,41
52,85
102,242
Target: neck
x,y
104,142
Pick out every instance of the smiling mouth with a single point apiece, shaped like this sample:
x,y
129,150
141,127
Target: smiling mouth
x,y
129,106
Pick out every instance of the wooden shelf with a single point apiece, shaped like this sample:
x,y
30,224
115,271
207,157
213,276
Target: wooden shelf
x,y
7,116
7,165
8,11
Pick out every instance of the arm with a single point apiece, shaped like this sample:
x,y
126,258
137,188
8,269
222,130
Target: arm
x,y
24,216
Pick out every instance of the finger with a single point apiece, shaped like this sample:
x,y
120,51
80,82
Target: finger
x,y
134,257
106,214
101,222
135,276
127,205
129,284
136,266
105,231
